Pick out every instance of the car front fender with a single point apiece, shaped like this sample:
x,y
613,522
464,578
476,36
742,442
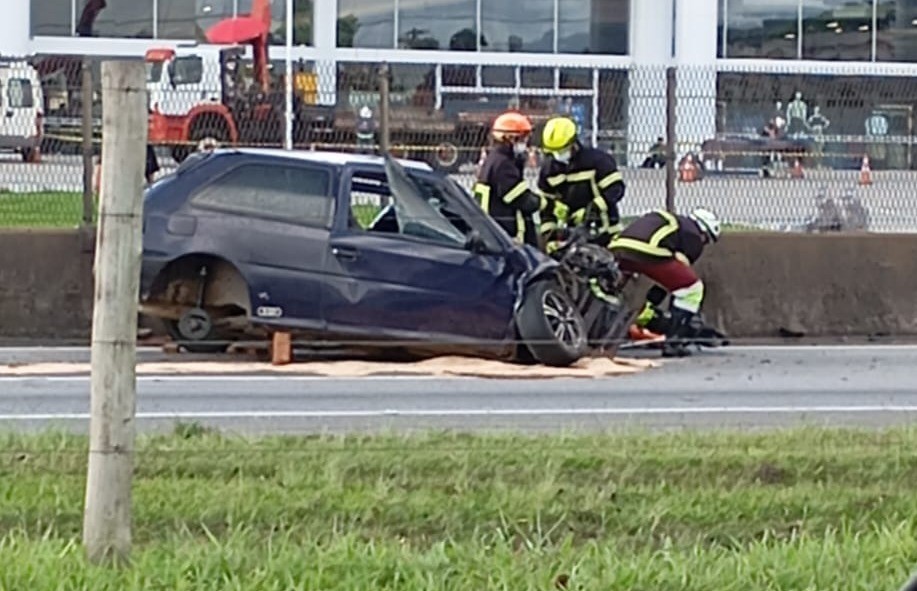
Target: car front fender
x,y
541,270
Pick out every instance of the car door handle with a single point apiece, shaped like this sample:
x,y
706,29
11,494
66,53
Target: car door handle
x,y
347,254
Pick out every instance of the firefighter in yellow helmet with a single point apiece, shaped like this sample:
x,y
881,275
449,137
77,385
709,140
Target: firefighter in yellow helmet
x,y
501,188
582,184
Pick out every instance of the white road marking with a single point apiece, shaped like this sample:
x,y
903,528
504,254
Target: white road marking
x,y
509,412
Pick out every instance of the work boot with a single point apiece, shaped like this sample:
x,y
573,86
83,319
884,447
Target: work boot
x,y
679,329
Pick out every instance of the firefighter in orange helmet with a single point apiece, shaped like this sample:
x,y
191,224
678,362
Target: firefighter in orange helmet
x,y
501,188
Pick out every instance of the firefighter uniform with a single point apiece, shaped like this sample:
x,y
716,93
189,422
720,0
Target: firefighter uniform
x,y
591,178
664,247
504,194
659,236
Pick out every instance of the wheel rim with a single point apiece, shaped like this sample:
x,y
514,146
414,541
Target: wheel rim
x,y
195,325
563,319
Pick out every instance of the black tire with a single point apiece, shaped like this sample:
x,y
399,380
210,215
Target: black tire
x,y
211,341
551,326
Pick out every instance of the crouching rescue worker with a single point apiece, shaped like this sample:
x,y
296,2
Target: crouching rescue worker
x,y
663,247
582,185
501,188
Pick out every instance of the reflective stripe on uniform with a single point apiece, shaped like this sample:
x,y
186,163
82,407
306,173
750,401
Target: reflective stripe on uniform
x,y
482,192
516,192
615,177
520,227
689,298
556,180
646,315
597,198
651,246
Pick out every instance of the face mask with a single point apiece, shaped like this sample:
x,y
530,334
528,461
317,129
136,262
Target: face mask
x,y
563,157
520,148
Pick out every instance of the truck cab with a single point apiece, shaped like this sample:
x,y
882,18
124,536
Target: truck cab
x,y
21,109
180,79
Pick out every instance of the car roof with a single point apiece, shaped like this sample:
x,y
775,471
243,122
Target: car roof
x,y
327,157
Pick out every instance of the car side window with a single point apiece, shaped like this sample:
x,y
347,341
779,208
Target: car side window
x,y
373,208
295,194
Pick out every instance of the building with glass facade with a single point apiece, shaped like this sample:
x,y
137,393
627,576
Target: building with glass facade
x,y
740,60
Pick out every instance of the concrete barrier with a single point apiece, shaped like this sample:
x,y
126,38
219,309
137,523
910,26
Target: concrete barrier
x,y
822,285
46,288
819,285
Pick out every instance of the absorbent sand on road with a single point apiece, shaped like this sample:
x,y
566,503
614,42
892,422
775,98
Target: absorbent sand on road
x,y
442,367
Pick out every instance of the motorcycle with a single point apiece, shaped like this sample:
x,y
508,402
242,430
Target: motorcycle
x,y
610,299
592,279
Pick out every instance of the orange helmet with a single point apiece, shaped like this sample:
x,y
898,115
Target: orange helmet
x,y
510,126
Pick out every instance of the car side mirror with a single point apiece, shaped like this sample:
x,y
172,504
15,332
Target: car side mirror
x,y
475,243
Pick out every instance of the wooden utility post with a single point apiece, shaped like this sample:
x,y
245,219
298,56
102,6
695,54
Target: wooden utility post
x,y
107,518
86,92
385,98
671,107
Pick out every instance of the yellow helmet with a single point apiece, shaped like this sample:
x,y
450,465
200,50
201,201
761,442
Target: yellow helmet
x,y
559,133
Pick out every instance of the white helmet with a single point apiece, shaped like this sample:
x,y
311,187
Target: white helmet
x,y
707,221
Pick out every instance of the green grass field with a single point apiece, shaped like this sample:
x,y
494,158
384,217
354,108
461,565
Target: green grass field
x,y
41,210
65,210
801,510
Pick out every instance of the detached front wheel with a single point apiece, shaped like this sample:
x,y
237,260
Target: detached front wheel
x,y
551,326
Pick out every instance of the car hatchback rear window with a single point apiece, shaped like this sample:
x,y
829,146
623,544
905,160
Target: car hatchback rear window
x,y
297,194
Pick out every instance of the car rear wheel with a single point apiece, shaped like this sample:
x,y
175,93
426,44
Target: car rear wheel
x,y
195,332
551,326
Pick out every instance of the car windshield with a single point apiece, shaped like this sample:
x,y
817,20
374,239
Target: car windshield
x,y
416,215
153,71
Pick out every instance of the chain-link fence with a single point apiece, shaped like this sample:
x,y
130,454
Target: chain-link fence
x,y
769,150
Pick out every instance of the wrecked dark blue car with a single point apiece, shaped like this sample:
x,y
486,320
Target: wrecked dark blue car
x,y
362,252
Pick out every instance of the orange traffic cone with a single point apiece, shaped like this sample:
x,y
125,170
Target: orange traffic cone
x,y
797,172
688,171
865,171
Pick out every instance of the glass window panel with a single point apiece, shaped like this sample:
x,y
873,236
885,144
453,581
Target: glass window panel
x,y
843,116
896,37
510,26
51,17
720,28
837,30
366,23
533,77
120,18
177,19
498,76
459,75
593,26
207,13
762,29
437,24
580,78
411,85
302,15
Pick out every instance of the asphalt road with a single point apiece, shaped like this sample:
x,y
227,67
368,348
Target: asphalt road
x,y
777,204
747,387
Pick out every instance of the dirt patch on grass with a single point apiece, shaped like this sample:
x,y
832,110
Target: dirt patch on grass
x,y
444,367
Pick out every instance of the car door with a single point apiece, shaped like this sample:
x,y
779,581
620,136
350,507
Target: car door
x,y
414,278
272,217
